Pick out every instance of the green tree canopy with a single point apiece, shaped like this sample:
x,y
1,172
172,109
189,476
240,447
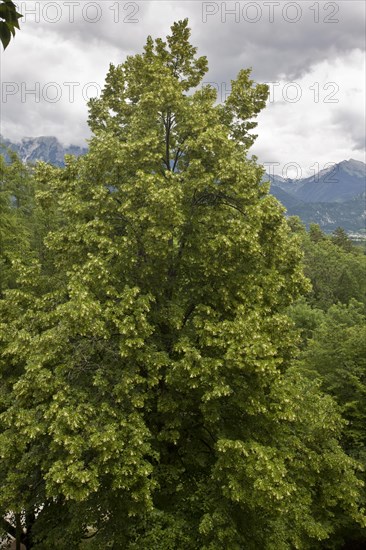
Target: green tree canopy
x,y
336,274
153,405
341,239
336,356
337,353
16,207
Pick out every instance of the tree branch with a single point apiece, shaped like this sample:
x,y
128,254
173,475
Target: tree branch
x,y
8,527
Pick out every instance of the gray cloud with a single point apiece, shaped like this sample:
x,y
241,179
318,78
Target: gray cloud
x,y
351,124
80,51
276,37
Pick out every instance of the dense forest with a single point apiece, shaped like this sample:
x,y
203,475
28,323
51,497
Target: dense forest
x,y
181,367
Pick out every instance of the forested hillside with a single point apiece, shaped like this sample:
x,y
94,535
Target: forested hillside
x,y
334,197
181,367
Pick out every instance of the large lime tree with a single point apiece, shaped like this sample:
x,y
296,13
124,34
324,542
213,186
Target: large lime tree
x,y
154,406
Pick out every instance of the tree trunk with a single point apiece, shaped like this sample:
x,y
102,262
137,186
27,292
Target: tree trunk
x,y
18,532
29,522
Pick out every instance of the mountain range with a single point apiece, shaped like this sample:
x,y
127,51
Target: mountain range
x,y
333,197
46,148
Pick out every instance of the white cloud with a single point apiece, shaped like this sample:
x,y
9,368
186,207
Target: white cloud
x,y
74,49
325,124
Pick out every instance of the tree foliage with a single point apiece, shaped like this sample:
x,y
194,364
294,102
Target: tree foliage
x,y
335,268
8,21
341,239
336,354
16,204
149,399
333,339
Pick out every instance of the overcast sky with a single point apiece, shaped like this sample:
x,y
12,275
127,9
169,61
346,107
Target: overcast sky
x,y
312,53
